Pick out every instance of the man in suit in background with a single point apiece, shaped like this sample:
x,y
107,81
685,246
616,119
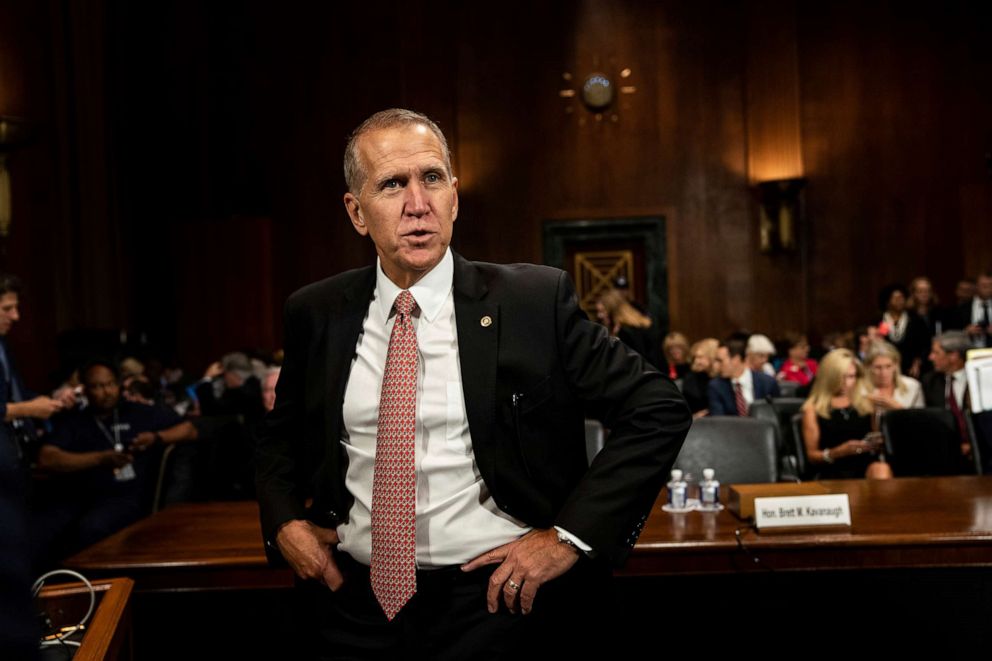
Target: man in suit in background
x,y
974,316
433,409
946,387
738,387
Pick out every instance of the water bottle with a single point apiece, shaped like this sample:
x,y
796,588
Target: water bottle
x,y
709,491
677,491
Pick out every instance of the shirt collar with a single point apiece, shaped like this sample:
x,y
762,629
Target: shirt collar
x,y
744,379
430,292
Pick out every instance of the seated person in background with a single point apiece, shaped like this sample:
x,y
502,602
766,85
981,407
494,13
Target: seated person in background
x,y
837,421
230,400
230,388
923,302
865,335
695,382
738,387
632,327
902,328
964,291
798,367
137,388
675,350
888,389
974,316
759,351
946,387
106,463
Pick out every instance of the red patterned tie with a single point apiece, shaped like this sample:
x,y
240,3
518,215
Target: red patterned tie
x,y
739,400
394,486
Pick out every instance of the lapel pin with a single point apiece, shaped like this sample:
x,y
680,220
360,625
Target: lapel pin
x,y
486,321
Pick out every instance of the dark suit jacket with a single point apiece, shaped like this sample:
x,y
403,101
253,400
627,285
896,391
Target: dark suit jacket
x,y
541,347
721,392
958,317
934,386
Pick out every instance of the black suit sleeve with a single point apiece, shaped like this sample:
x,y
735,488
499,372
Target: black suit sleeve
x,y
716,398
647,419
279,461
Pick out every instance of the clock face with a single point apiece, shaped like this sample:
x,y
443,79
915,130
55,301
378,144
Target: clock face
x,y
597,92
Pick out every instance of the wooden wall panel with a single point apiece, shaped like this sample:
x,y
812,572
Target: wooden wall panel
x,y
896,122
217,112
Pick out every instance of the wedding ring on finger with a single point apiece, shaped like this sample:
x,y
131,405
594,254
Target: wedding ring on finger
x,y
513,584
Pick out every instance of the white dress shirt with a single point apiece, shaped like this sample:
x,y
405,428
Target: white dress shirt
x,y
457,518
959,384
747,386
978,310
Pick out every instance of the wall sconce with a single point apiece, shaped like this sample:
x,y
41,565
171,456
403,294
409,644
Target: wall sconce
x,y
780,202
13,132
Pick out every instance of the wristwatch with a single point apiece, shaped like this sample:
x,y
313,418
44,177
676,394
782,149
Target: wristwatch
x,y
826,457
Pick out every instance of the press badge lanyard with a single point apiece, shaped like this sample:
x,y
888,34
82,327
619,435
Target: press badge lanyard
x,y
114,440
125,472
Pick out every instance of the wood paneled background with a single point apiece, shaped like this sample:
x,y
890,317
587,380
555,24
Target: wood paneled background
x,y
185,172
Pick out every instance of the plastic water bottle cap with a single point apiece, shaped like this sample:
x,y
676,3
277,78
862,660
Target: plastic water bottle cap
x,y
708,474
676,474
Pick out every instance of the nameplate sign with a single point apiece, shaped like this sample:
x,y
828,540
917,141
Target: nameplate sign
x,y
802,511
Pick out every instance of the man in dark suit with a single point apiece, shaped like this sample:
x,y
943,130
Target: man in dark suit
x,y
738,387
974,316
946,387
485,373
948,354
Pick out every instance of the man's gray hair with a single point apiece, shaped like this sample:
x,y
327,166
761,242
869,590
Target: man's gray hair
x,y
955,342
238,363
354,170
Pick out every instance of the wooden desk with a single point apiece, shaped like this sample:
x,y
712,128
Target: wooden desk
x,y
108,631
901,523
192,546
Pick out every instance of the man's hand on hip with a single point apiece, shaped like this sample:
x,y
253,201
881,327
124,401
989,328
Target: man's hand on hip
x,y
525,565
307,549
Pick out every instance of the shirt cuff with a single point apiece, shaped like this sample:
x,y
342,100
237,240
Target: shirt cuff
x,y
585,548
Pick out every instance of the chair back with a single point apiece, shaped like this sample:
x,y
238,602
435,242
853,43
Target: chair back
x,y
779,412
922,442
739,450
788,388
806,471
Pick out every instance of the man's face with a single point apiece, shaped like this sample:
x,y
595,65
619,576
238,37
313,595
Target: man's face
x,y
729,367
965,290
101,388
983,287
408,202
944,362
8,312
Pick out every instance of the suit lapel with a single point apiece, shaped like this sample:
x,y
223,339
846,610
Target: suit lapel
x,y
477,321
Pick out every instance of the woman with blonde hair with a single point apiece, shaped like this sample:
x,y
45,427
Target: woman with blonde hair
x,y
888,389
627,323
837,421
697,380
675,351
